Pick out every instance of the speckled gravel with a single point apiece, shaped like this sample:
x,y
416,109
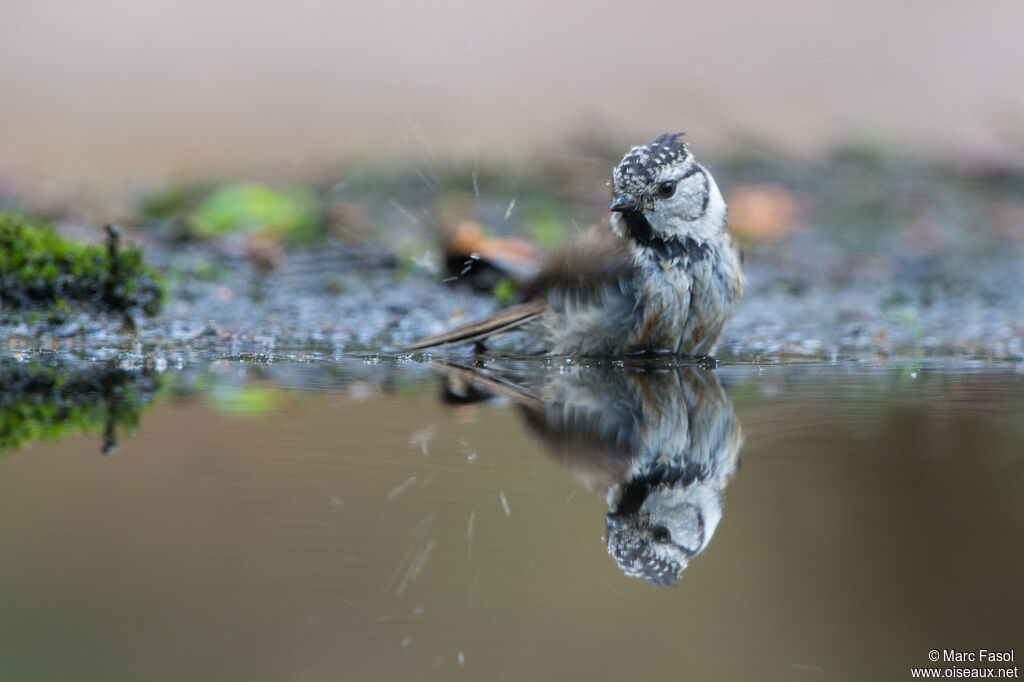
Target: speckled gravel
x,y
803,299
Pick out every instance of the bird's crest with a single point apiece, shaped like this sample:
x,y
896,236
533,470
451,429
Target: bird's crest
x,y
640,165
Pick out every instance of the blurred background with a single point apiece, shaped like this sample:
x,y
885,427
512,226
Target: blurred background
x,y
124,87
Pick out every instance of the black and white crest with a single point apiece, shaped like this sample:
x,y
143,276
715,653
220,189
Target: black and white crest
x,y
640,165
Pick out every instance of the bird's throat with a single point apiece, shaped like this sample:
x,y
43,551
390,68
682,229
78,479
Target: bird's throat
x,y
640,230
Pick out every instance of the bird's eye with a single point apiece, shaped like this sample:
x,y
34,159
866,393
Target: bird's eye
x,y
667,188
661,535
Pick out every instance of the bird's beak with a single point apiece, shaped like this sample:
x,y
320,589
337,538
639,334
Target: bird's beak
x,y
624,204
616,521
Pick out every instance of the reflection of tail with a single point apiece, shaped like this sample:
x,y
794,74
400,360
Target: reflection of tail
x,y
477,331
489,385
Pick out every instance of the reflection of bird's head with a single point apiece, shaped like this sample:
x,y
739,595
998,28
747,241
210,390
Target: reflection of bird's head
x,y
660,192
640,553
655,530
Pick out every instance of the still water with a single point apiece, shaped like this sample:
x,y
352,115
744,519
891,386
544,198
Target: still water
x,y
361,520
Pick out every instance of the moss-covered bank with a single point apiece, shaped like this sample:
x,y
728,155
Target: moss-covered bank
x,y
44,274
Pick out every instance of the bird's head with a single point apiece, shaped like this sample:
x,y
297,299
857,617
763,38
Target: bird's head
x,y
654,533
660,192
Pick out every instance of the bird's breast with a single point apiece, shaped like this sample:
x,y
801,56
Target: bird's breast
x,y
686,298
663,307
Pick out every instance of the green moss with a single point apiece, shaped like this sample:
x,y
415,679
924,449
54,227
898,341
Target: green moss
x,y
44,401
208,272
43,274
335,286
505,290
294,216
547,225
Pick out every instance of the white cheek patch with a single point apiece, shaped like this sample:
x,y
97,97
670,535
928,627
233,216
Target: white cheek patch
x,y
692,195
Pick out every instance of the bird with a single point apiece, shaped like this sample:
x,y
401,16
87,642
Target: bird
x,y
663,277
657,437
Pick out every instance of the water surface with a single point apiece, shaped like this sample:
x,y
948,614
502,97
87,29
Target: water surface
x,y
362,520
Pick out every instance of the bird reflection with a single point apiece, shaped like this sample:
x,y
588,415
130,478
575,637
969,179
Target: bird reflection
x,y
659,441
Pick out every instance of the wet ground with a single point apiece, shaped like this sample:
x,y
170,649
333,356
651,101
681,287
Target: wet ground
x,y
382,519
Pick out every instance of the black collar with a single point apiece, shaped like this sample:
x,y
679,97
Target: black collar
x,y
636,490
640,230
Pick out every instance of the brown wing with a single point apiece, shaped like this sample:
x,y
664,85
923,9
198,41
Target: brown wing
x,y
595,257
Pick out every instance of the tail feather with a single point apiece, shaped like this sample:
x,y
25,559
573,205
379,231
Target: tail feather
x,y
504,321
